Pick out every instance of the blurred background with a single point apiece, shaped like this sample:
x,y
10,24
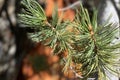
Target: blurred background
x,y
22,59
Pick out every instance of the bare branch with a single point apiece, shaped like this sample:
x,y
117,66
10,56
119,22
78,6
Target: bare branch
x,y
70,6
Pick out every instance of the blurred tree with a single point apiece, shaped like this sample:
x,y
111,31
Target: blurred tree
x,y
13,40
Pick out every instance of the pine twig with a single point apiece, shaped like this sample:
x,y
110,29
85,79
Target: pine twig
x,y
47,23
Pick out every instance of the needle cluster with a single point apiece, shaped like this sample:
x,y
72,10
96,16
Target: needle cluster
x,y
86,42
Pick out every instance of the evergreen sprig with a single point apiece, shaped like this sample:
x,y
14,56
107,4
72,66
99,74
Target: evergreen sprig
x,y
86,42
33,14
98,55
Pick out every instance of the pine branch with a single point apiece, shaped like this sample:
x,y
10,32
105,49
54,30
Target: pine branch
x,y
92,59
87,42
33,15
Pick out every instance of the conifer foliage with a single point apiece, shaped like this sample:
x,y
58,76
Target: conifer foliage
x,y
86,42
